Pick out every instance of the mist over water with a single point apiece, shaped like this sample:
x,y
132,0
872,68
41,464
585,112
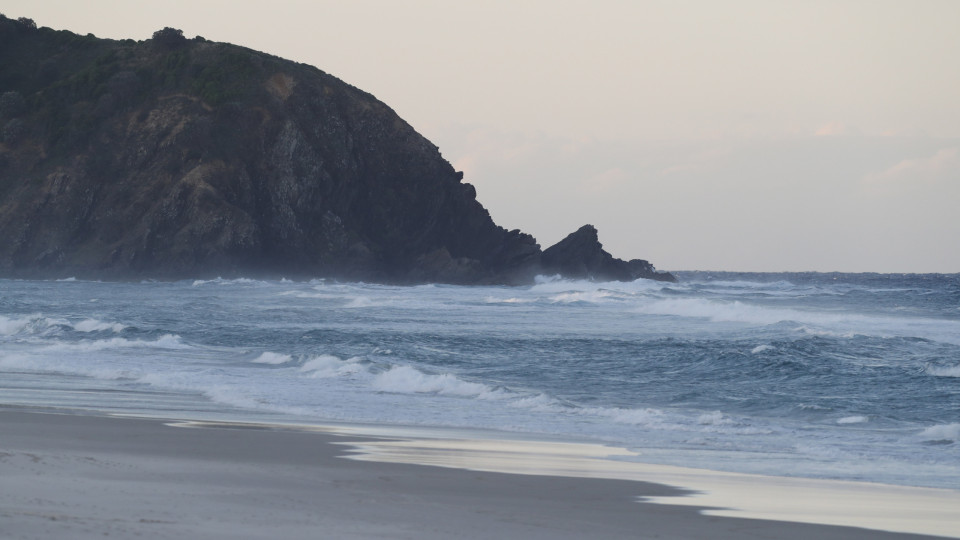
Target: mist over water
x,y
821,375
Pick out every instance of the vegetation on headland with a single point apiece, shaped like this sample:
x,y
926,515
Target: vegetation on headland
x,y
175,157
70,83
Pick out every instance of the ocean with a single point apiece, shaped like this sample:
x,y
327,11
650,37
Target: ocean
x,y
840,376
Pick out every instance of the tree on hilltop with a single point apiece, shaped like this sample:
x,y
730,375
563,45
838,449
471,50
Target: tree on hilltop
x,y
169,38
27,23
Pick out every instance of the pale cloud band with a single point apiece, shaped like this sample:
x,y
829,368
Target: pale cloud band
x,y
743,134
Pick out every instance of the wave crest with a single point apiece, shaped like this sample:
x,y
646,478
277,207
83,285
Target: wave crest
x,y
93,325
944,433
405,379
272,358
943,371
328,365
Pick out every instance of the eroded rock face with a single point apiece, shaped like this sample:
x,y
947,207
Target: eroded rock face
x,y
581,255
195,159
185,159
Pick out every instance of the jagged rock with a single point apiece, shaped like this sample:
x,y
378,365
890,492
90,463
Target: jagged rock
x,y
581,255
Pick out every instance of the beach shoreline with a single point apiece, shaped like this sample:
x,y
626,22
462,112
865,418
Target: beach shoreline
x,y
85,476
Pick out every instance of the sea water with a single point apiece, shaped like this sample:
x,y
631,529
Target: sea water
x,y
842,376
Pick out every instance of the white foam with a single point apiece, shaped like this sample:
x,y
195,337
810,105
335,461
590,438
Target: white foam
x,y
510,300
715,418
197,382
93,325
9,327
541,279
742,284
408,380
299,294
583,296
853,420
761,348
221,281
18,361
636,417
537,403
30,324
167,341
327,365
360,302
813,407
716,311
943,432
828,333
835,324
73,365
220,394
554,285
405,379
542,403
272,358
717,422
944,371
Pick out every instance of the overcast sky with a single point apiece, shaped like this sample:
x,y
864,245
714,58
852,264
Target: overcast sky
x,y
718,135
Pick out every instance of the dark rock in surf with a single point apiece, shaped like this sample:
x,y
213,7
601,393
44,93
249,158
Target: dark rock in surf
x,y
581,255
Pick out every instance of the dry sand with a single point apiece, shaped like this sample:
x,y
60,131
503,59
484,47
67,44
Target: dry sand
x,y
78,477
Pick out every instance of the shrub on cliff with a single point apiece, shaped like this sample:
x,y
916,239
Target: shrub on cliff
x,y
27,24
169,38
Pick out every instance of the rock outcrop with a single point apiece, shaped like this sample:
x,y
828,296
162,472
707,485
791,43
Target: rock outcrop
x,y
581,255
174,158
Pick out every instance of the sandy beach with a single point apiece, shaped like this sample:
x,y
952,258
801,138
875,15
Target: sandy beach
x,y
79,476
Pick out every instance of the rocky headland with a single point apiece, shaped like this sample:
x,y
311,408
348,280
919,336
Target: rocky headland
x,y
175,158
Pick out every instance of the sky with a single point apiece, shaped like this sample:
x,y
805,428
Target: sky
x,y
741,135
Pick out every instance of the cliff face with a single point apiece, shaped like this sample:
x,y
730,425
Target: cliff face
x,y
173,158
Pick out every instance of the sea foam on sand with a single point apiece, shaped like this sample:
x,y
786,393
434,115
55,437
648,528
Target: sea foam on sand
x,y
800,500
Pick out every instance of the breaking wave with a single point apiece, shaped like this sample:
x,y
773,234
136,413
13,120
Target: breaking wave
x,y
167,341
405,379
945,433
272,358
37,324
93,325
327,365
237,281
944,371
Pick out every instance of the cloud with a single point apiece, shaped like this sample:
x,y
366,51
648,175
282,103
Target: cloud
x,y
941,167
831,128
873,203
696,161
605,181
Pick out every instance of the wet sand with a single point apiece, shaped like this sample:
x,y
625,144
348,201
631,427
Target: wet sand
x,y
79,477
